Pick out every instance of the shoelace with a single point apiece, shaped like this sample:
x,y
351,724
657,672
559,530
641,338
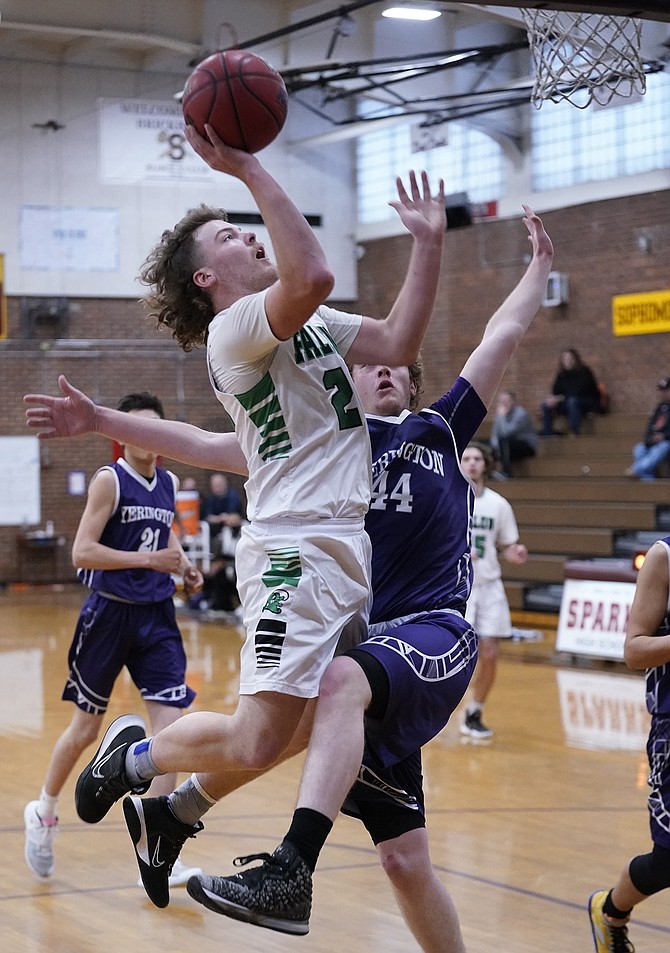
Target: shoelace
x,y
176,842
243,861
172,853
620,941
45,832
112,788
42,840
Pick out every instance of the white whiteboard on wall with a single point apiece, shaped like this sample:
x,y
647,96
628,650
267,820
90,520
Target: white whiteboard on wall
x,y
20,481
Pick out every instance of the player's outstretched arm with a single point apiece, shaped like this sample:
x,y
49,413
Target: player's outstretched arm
x,y
486,365
397,339
68,416
75,414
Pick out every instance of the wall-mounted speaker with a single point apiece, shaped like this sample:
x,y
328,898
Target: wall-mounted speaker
x,y
557,291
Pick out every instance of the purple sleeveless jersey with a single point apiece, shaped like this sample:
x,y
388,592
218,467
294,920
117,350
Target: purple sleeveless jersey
x,y
141,521
420,563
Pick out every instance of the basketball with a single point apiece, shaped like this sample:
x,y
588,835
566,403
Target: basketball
x,y
240,96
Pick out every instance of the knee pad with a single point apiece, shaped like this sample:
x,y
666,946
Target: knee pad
x,y
650,873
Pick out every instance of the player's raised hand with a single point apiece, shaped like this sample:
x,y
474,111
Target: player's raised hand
x,y
68,416
423,214
542,244
217,154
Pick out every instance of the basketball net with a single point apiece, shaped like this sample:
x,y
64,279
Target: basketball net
x,y
584,53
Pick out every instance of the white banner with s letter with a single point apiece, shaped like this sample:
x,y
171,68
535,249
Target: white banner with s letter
x,y
143,141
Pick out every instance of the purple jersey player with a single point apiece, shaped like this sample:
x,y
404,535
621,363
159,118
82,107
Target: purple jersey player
x,y
417,625
125,552
141,522
647,646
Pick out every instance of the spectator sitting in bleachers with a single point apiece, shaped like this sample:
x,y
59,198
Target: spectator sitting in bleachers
x,y
655,448
513,436
224,512
574,394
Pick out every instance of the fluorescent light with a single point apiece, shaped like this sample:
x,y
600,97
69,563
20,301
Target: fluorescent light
x,y
411,12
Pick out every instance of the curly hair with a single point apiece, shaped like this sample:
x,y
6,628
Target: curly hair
x,y
416,378
175,300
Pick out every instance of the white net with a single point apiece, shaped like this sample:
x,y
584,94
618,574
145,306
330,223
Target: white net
x,y
584,57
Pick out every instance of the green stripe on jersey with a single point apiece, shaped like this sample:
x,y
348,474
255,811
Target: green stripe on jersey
x,y
262,405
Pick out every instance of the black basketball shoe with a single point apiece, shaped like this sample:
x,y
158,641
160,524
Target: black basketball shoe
x,y
276,895
104,780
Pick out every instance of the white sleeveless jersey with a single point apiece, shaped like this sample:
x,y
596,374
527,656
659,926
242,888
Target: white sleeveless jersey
x,y
295,410
493,525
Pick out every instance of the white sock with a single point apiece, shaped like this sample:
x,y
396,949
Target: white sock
x,y
139,763
47,807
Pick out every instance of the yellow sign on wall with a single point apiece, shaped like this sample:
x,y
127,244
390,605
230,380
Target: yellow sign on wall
x,y
646,313
3,300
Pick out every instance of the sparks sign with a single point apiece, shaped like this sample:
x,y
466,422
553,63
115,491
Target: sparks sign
x,y
593,618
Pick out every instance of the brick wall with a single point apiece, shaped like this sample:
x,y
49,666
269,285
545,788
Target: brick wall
x,y
111,348
595,244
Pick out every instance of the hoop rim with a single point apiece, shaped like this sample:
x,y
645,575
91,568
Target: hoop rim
x,y
645,9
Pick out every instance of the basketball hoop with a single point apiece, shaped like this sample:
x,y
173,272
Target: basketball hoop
x,y
577,53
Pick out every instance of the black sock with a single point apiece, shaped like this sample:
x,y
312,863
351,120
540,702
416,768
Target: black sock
x,y
308,832
611,911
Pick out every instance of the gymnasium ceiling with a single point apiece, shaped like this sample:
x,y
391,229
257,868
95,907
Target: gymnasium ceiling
x,y
473,61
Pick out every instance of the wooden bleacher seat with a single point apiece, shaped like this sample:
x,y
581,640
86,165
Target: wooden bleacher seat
x,y
572,501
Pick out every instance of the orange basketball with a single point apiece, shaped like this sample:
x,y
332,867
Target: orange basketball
x,y
240,96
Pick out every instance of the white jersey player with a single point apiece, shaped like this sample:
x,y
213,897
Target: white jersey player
x,y
494,533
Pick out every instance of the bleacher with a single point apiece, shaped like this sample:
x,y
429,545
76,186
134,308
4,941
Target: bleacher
x,y
572,501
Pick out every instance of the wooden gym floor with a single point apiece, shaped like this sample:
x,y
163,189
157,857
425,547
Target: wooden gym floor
x,y
521,830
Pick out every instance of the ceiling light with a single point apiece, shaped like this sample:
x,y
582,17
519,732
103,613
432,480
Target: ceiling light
x,y
411,12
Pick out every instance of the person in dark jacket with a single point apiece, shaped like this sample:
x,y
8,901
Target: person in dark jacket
x,y
574,394
655,447
223,507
